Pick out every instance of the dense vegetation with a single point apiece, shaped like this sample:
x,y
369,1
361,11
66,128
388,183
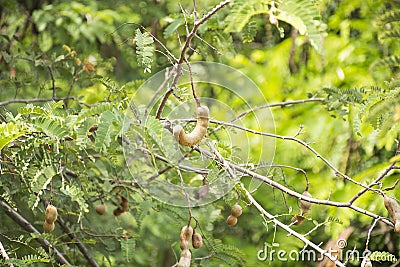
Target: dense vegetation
x,y
91,93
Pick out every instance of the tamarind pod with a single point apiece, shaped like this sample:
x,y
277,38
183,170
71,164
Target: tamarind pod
x,y
186,233
198,133
124,204
231,220
305,206
101,209
197,241
117,212
297,219
394,210
236,210
184,261
48,227
184,244
51,214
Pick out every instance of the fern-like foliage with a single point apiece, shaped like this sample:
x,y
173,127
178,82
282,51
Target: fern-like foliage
x,y
241,13
304,16
301,14
249,31
109,127
26,261
144,50
390,29
227,254
51,127
10,132
128,248
86,113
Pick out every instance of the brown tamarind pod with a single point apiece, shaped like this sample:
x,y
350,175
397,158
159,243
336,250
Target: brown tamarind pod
x,y
297,219
236,210
51,214
197,240
185,259
231,220
124,204
198,133
394,210
184,244
186,233
185,237
101,209
48,227
305,206
117,212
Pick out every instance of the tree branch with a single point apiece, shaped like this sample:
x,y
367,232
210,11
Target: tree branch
x,y
27,226
39,100
288,191
182,57
78,243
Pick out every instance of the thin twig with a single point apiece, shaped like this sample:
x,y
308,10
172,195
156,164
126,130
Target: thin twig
x,y
288,191
280,104
78,243
41,100
182,58
380,177
299,141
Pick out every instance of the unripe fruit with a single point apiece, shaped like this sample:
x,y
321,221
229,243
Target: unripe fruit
x,y
231,220
101,209
236,210
305,206
197,241
51,214
48,227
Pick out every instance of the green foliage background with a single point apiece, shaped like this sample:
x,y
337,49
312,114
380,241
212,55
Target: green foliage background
x,y
84,50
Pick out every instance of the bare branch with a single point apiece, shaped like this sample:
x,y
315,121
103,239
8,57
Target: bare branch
x,y
291,231
78,243
182,57
288,191
41,100
281,104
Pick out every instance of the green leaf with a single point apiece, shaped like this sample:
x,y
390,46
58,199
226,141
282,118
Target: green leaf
x,y
45,41
51,127
302,15
172,27
144,49
241,13
10,132
128,248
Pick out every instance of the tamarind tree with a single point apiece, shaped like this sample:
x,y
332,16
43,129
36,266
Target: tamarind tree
x,y
199,133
